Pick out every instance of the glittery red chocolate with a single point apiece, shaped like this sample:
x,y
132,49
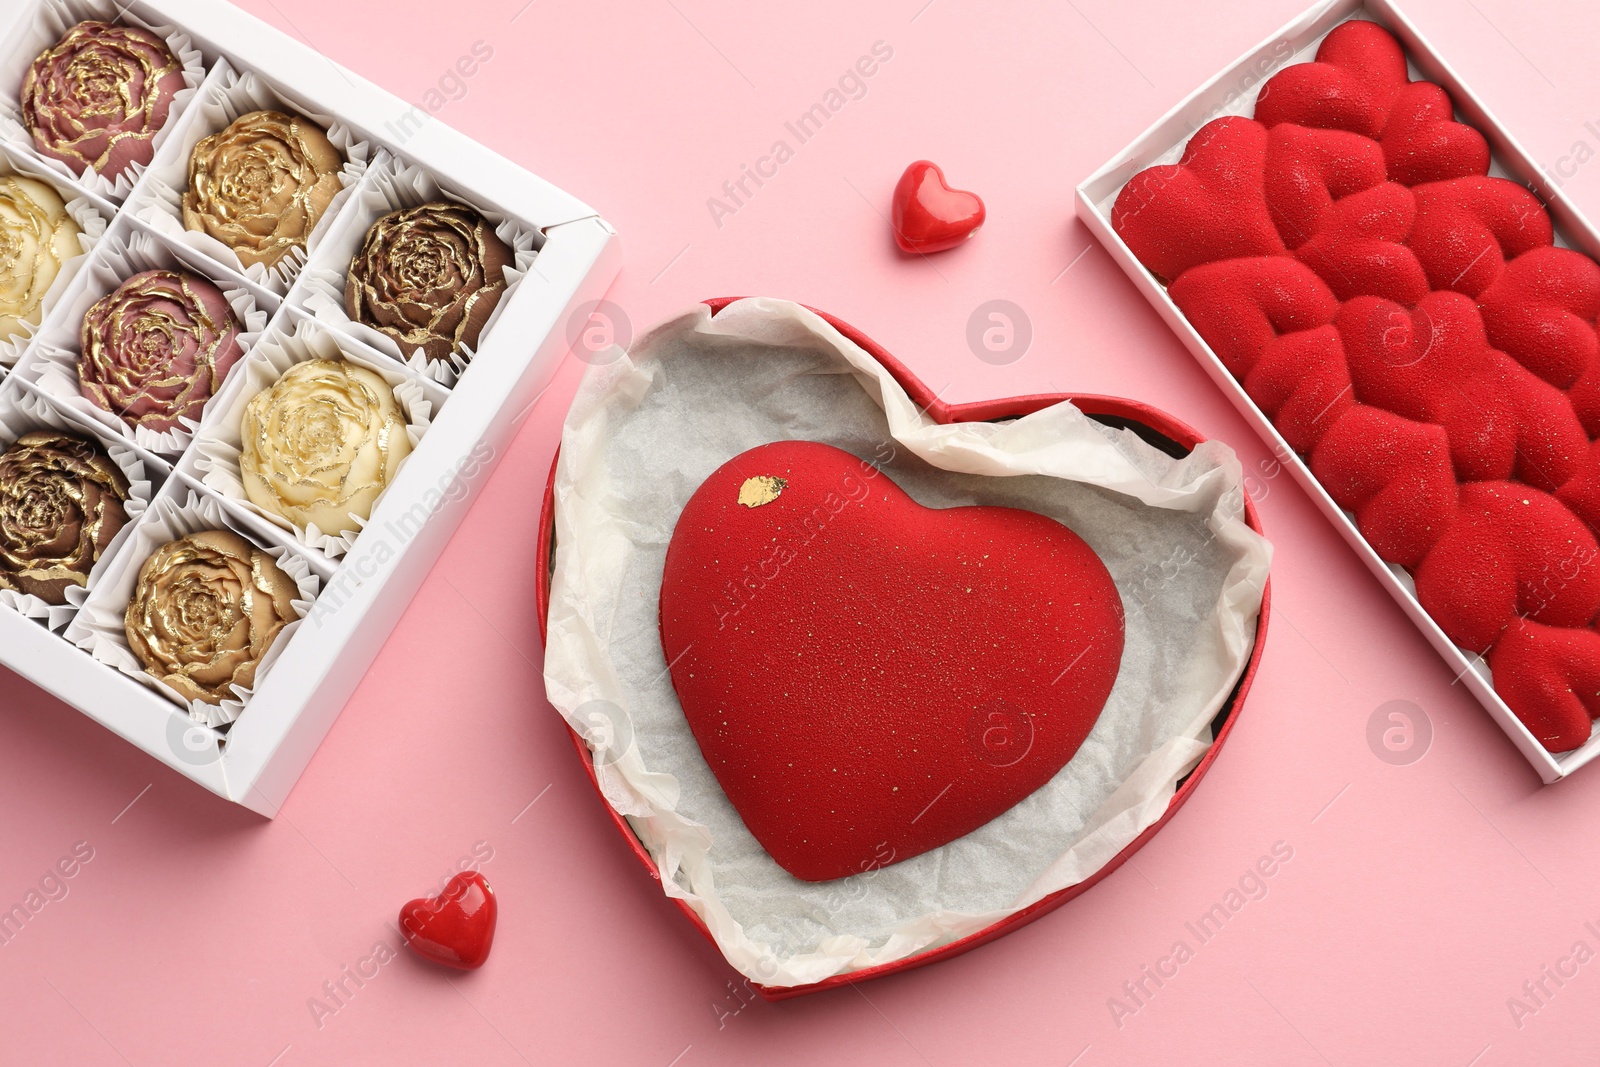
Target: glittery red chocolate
x,y
1359,84
1209,206
1307,170
1541,311
1417,337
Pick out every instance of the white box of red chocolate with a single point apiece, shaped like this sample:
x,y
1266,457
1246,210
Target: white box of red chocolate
x,y
1391,292
303,609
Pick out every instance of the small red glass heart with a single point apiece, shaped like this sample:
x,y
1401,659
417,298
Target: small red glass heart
x,y
455,928
928,215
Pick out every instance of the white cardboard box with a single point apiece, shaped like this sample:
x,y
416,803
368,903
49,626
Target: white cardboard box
x,y
364,592
1233,92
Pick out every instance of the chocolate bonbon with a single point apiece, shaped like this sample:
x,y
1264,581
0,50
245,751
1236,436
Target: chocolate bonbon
x,y
157,348
429,277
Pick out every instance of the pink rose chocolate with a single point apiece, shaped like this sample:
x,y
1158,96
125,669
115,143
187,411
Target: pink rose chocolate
x,y
96,98
157,347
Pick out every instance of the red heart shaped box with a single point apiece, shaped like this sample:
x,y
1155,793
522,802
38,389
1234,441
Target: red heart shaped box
x,y
1151,424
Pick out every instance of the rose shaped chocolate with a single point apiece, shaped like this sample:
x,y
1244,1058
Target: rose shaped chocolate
x,y
205,610
36,237
429,277
260,185
60,505
96,98
156,348
321,444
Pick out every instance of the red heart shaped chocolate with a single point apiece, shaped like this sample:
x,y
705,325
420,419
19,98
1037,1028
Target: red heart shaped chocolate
x,y
869,678
1468,228
1551,445
1240,305
1358,71
1308,170
1210,206
1358,84
1551,675
928,215
1509,554
1422,141
1359,249
1541,312
1303,385
1432,363
455,928
1395,475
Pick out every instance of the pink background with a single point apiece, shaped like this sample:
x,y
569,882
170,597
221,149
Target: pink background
x,y
1418,900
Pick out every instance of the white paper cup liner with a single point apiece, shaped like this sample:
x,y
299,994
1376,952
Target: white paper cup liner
x,y
228,95
641,436
53,363
92,228
48,23
22,412
215,457
101,629
392,186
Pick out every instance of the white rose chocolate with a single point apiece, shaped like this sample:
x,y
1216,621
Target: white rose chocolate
x,y
321,444
36,237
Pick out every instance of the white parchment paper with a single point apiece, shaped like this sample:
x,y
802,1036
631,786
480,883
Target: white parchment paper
x,y
645,429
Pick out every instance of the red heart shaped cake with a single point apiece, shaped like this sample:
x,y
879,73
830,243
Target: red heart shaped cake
x,y
869,678
1417,337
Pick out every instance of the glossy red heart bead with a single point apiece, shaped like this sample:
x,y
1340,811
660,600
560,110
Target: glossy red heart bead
x,y
455,928
928,215
869,678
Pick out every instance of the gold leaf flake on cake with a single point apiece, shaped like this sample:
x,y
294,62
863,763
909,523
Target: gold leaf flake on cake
x,y
762,489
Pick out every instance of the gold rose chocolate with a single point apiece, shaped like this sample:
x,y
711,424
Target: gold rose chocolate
x,y
36,237
260,185
321,444
429,277
61,502
205,610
